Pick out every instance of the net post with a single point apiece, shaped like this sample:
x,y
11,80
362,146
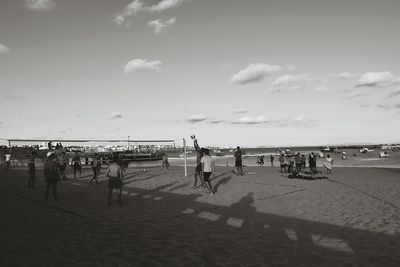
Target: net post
x,y
9,144
184,153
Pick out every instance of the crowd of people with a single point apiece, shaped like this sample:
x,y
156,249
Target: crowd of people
x,y
54,170
296,163
57,161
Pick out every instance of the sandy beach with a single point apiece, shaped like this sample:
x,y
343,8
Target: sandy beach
x,y
260,219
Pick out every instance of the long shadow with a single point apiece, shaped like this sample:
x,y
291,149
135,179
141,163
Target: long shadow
x,y
142,234
222,181
178,187
143,179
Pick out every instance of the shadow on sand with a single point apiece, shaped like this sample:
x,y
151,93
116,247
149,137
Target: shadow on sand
x,y
144,232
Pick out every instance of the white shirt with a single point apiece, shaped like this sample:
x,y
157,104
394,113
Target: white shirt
x,y
8,156
207,163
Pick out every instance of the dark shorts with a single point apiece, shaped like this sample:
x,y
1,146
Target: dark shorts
x,y
206,176
198,168
298,165
238,163
114,183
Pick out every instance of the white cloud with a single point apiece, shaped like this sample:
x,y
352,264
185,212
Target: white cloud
x,y
254,72
159,26
137,6
251,120
4,49
197,118
239,110
297,121
216,121
321,88
394,93
142,64
291,79
353,94
344,75
377,79
39,5
291,67
115,115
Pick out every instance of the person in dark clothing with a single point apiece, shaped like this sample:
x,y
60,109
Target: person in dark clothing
x,y
115,179
76,164
51,175
303,161
62,164
297,159
272,160
198,173
312,162
96,164
238,161
32,170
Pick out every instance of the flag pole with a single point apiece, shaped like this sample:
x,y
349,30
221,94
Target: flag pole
x,y
184,153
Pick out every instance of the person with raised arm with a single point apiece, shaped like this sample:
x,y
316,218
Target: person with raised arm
x,y
198,173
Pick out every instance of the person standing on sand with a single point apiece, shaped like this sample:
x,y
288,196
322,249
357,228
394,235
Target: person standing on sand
x,y
76,164
62,164
32,170
96,164
51,175
208,168
115,179
238,161
291,163
311,162
297,159
198,171
165,162
8,161
328,164
282,162
303,161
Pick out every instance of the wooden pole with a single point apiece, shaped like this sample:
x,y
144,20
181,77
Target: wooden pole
x,y
184,152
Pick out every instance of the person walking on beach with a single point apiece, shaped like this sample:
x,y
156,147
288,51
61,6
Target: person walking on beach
x,y
32,170
62,164
303,161
297,159
282,161
198,175
115,179
8,161
165,162
312,161
328,164
76,164
272,160
291,163
238,161
96,165
51,175
208,168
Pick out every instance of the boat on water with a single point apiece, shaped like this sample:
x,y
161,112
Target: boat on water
x,y
219,153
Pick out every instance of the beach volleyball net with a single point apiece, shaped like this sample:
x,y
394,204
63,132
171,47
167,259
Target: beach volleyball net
x,y
21,149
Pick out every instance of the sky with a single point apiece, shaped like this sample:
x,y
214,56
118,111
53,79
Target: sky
x,y
247,73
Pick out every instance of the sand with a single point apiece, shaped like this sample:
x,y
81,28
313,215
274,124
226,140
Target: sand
x,y
260,219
